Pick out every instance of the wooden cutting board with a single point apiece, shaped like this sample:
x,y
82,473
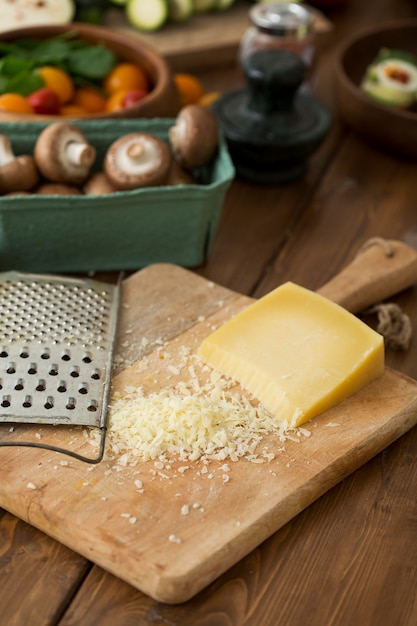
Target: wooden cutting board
x,y
204,40
184,524
186,45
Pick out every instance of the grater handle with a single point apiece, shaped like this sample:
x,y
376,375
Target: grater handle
x,y
71,453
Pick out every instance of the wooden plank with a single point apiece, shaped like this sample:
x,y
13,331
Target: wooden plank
x,y
87,508
31,564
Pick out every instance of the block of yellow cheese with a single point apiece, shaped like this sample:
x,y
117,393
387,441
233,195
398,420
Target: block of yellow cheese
x,y
297,352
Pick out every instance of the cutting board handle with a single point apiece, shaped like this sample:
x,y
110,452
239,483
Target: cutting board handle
x,y
381,269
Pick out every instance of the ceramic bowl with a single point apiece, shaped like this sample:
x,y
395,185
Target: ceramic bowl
x,y
387,127
163,99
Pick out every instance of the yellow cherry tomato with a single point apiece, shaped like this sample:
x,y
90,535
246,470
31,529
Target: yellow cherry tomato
x,y
15,103
115,100
58,81
126,76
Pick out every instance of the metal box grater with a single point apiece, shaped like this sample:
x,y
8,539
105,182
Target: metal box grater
x,y
56,350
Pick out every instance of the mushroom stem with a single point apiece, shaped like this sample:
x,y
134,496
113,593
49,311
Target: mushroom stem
x,y
135,150
64,154
6,152
80,153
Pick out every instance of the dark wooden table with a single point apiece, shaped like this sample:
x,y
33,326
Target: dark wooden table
x,y
351,557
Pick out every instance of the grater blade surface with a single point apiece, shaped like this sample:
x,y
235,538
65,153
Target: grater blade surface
x,y
56,349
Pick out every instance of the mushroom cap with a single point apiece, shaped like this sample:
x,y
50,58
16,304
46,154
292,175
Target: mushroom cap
x,y
63,153
194,137
18,193
20,174
178,176
137,160
98,184
57,189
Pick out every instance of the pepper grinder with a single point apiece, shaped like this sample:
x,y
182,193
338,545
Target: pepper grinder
x,y
272,127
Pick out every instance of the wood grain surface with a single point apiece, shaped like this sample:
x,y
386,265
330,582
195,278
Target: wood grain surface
x,y
350,557
88,508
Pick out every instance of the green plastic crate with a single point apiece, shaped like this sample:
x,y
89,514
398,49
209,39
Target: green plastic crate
x,y
121,231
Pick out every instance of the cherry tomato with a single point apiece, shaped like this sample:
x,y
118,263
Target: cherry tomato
x,y
73,110
133,96
115,101
57,80
208,98
89,99
189,87
45,101
15,103
126,76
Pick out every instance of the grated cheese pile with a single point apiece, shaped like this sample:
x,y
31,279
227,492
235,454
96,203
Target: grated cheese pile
x,y
191,420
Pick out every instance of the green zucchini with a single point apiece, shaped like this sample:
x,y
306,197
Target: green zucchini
x,y
147,15
180,10
203,6
222,5
392,78
90,11
390,53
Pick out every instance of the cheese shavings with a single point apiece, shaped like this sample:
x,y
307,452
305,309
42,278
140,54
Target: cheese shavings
x,y
189,421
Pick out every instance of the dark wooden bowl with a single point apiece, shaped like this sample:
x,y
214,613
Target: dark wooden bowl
x,y
162,101
385,126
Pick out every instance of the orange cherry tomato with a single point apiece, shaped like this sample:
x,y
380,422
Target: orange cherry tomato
x,y
127,76
58,81
89,99
116,100
15,103
73,110
189,87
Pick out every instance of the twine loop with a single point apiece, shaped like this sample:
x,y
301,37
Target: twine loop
x,y
394,325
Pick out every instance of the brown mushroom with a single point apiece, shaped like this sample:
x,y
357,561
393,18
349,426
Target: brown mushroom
x,y
17,173
178,176
63,154
98,184
18,193
194,137
57,189
137,160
